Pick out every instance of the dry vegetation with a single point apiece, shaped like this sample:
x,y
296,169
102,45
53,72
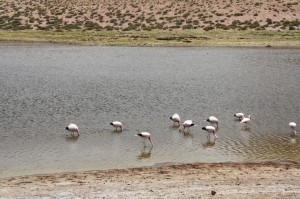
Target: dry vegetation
x,y
136,15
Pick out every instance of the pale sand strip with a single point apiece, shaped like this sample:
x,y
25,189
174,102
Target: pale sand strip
x,y
228,180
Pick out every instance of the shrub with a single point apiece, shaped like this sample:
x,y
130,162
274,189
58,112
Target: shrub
x,y
186,15
292,28
187,26
238,14
71,26
107,27
91,25
195,22
208,28
269,21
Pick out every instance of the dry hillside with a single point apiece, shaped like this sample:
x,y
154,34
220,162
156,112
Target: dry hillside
x,y
125,15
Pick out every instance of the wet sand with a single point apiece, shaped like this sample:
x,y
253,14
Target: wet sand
x,y
218,180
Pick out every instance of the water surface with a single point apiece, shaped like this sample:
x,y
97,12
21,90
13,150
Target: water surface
x,y
44,88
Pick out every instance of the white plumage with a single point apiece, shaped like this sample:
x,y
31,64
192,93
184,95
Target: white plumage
x,y
210,130
213,120
73,128
187,124
246,120
240,116
145,135
117,124
293,126
175,118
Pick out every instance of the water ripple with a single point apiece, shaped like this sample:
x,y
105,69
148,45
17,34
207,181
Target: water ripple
x,y
43,89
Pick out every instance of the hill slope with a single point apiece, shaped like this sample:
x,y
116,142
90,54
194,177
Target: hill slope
x,y
127,15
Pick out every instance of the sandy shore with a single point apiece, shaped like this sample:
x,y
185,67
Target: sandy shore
x,y
200,180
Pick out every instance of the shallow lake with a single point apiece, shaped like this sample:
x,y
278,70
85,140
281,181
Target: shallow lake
x,y
44,88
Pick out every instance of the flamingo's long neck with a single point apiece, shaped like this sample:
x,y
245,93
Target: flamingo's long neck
x,y
150,140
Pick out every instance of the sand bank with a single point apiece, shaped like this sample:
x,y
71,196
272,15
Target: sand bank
x,y
219,180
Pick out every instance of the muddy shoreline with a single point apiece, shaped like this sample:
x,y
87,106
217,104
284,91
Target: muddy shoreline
x,y
65,43
229,180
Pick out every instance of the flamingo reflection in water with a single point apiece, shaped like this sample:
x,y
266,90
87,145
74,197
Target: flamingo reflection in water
x,y
145,153
72,138
209,144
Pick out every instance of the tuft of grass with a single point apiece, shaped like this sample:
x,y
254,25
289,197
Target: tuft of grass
x,y
149,36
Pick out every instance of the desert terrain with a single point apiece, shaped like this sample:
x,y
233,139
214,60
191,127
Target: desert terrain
x,y
59,15
152,23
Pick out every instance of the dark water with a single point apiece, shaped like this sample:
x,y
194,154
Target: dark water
x,y
44,88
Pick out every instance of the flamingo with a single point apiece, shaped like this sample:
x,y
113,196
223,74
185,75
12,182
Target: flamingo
x,y
187,124
213,120
175,118
145,135
73,128
293,125
210,129
246,120
117,124
240,116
